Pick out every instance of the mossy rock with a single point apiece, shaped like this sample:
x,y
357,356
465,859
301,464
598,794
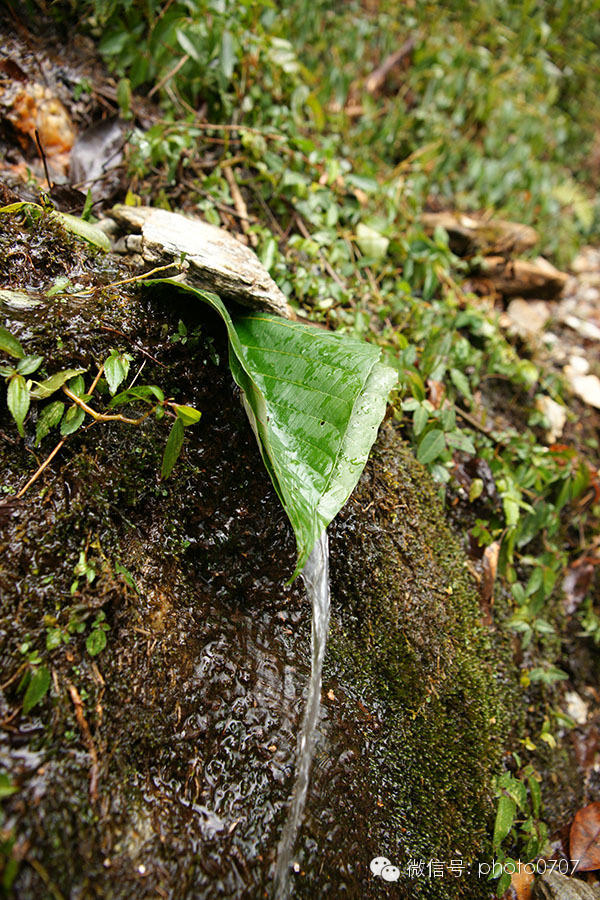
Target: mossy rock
x,y
173,776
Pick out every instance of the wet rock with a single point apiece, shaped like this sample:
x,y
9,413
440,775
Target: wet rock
x,y
217,261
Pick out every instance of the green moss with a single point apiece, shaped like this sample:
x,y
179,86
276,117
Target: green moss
x,y
409,638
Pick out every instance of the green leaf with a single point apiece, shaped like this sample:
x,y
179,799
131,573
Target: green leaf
x,y
432,444
10,345
172,448
73,419
96,642
18,299
228,57
48,418
7,788
18,400
36,689
371,242
315,400
187,414
146,392
116,369
505,816
29,364
186,45
53,383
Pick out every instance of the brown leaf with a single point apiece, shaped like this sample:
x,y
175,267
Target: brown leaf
x,y
522,884
490,564
585,838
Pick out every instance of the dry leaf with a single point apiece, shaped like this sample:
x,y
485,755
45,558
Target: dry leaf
x,y
522,884
585,838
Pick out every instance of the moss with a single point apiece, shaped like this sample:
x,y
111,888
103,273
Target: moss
x,y
408,637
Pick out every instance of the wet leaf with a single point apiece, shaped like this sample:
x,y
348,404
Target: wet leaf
x,y
116,369
18,400
29,364
53,383
48,418
10,345
36,689
73,420
315,400
172,448
584,839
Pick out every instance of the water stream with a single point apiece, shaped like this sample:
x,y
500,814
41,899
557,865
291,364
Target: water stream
x,y
316,579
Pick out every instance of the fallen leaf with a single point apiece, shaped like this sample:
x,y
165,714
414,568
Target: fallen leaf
x,y
490,564
584,838
522,884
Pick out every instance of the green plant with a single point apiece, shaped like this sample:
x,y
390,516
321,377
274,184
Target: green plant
x,y
314,400
21,391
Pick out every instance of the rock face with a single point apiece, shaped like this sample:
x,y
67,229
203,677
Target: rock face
x,y
217,261
172,776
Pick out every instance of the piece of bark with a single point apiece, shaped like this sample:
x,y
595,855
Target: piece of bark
x,y
523,278
217,261
470,234
375,83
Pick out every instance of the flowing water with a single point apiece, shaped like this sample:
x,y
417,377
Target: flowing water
x,y
316,579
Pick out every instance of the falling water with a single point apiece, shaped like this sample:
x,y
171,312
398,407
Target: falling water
x,y
316,579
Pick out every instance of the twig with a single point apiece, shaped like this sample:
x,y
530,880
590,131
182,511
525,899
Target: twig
x,y
137,346
240,205
105,417
37,474
87,736
43,155
39,868
169,75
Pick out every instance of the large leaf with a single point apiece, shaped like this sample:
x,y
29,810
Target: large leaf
x,y
315,400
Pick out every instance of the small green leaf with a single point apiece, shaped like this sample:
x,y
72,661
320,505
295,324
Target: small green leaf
x,y
420,419
36,689
187,414
116,369
29,364
431,446
48,418
77,386
59,287
73,419
10,345
121,570
146,392
505,816
186,45
18,400
172,449
96,642
7,788
371,242
228,57
53,383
